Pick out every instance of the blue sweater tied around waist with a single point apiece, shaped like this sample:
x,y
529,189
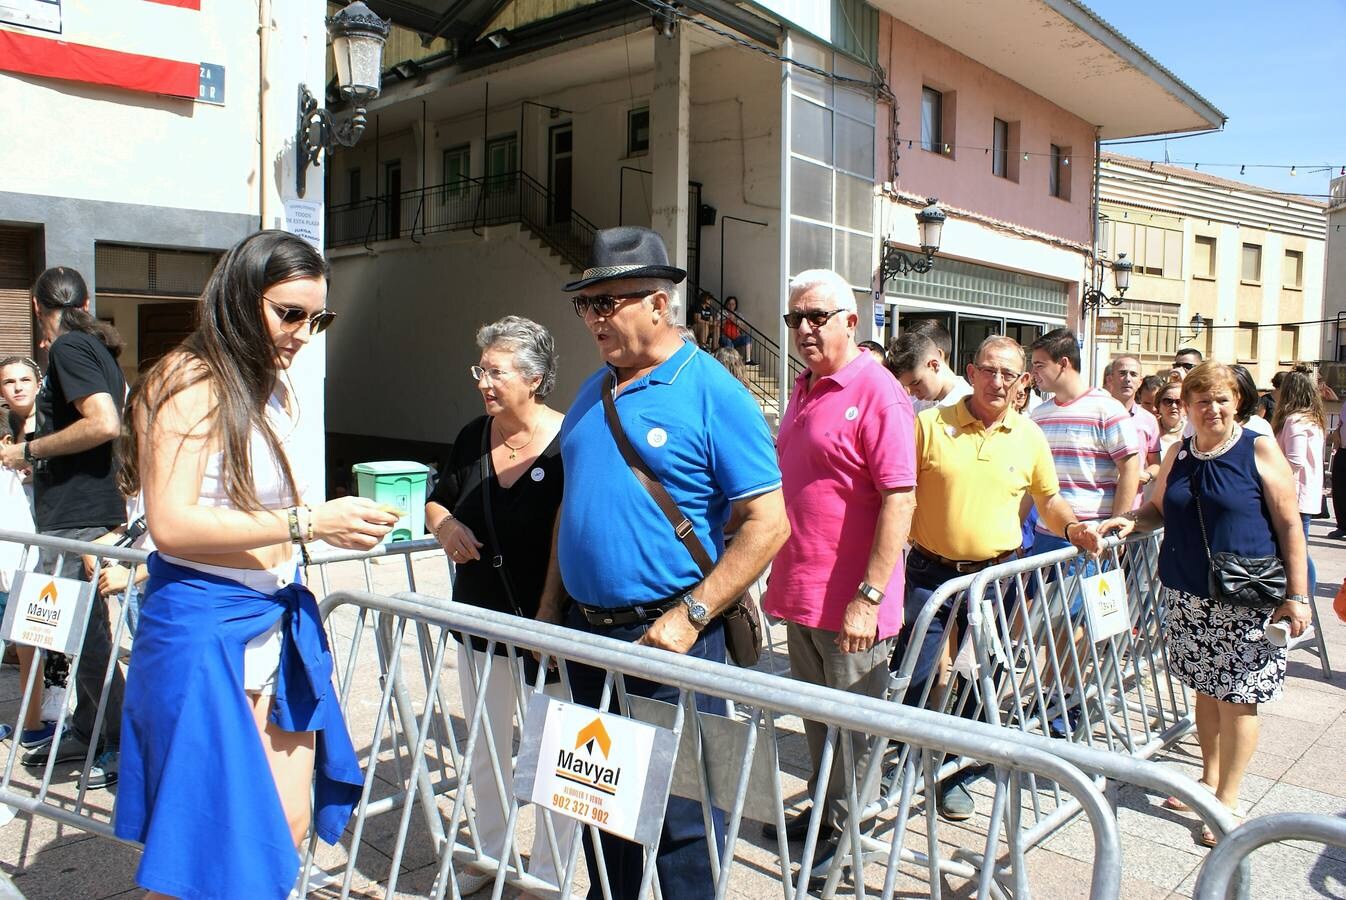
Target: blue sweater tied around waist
x,y
195,786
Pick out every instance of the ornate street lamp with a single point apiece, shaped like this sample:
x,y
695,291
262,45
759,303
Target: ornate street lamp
x,y
1197,324
358,36
896,262
1094,298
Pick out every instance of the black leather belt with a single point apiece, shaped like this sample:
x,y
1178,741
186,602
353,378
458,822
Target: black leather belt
x,y
646,612
962,566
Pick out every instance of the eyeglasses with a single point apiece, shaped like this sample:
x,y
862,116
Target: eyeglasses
x,y
1171,401
291,317
1005,375
817,317
604,305
491,375
1185,366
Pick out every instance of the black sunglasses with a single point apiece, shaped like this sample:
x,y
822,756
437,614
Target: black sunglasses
x,y
817,317
604,305
294,316
1184,365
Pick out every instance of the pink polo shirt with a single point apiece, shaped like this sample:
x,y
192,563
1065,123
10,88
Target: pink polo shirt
x,y
841,443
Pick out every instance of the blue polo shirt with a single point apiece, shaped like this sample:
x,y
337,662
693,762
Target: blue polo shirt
x,y
701,433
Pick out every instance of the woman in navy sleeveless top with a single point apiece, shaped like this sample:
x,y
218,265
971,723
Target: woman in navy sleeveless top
x,y
1248,504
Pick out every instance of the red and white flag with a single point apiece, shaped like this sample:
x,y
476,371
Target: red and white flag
x,y
153,46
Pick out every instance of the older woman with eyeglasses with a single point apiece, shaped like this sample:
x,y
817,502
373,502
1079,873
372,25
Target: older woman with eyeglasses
x,y
1223,490
493,512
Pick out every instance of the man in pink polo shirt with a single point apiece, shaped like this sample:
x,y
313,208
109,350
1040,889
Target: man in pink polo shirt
x,y
848,469
1122,382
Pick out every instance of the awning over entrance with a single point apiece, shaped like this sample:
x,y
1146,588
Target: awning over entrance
x,y
968,284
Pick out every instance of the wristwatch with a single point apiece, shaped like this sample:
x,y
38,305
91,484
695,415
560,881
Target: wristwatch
x,y
28,452
869,593
697,613
1298,598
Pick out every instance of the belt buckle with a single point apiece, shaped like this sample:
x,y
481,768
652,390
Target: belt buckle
x,y
964,567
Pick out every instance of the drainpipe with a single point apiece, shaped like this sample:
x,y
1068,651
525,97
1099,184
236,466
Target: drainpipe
x,y
265,176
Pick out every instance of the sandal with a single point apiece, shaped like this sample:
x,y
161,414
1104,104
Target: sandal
x,y
1177,805
1207,837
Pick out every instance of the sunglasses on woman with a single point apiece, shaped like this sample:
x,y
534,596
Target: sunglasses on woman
x,y
291,317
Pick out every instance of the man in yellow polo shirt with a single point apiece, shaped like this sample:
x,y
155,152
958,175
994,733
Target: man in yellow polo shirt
x,y
975,461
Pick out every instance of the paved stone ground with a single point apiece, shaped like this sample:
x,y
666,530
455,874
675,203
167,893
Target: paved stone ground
x,y
1296,767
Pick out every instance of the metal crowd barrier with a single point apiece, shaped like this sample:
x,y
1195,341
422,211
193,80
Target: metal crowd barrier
x,y
394,681
1023,660
728,763
1217,876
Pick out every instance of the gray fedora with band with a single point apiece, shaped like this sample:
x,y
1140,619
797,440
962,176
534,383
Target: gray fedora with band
x,y
627,252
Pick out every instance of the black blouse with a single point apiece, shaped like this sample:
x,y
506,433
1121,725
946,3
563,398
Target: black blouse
x,y
524,515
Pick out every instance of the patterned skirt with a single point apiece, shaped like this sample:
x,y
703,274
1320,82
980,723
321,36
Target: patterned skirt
x,y
1221,650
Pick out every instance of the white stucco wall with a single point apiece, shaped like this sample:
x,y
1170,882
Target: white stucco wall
x,y
69,139
398,357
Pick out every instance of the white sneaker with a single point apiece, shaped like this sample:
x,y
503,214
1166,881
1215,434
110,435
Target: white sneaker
x,y
53,699
470,881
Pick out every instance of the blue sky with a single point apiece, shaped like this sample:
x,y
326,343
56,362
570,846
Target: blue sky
x,y
1276,70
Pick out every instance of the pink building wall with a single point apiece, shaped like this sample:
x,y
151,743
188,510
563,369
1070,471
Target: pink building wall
x,y
963,178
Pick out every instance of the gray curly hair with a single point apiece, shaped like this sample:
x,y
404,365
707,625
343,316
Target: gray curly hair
x,y
533,346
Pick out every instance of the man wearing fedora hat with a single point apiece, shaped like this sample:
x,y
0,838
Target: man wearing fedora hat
x,y
630,574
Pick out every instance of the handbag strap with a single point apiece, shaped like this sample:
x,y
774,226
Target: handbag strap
x,y
1196,497
682,526
497,559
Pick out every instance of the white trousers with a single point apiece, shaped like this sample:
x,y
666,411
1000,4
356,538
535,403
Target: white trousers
x,y
498,693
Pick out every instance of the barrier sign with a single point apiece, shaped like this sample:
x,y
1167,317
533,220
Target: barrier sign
x,y
601,769
47,612
1105,608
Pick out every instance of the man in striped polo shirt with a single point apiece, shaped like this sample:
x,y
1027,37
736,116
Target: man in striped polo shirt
x,y
1093,440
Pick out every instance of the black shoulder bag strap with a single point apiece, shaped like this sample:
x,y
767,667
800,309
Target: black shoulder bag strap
x,y
492,543
682,526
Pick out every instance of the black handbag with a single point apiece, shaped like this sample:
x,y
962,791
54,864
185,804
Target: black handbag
x,y
742,620
1254,582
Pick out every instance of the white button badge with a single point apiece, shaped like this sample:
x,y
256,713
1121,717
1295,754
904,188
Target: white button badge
x,y
537,474
657,437
852,413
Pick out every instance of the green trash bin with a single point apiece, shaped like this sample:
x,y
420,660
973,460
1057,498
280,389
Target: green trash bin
x,y
399,483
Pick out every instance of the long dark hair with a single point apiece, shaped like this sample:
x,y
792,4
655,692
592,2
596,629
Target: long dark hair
x,y
1299,396
232,349
64,289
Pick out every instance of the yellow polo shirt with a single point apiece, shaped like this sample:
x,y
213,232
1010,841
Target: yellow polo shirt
x,y
970,479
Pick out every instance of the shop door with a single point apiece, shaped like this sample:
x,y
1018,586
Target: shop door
x,y
972,330
159,328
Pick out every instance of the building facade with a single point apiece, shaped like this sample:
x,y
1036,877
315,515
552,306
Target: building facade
x,y
1334,281
1249,262
758,142
996,109
148,144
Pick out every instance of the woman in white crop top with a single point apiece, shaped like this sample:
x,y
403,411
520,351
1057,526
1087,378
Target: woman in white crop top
x,y
209,427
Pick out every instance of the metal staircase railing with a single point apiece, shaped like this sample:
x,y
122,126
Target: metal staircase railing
x,y
763,377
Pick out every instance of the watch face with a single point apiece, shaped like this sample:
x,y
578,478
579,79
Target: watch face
x,y
697,612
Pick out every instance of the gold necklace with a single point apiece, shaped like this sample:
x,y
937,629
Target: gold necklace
x,y
513,450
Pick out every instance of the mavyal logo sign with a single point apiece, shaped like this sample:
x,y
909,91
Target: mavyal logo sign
x,y
47,612
602,769
579,765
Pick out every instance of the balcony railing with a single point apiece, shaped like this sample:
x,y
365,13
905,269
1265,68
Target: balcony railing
x,y
463,204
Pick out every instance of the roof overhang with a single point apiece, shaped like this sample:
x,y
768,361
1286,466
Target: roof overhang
x,y
464,21
1066,53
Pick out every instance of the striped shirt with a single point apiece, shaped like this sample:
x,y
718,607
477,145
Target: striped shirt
x,y
1087,437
